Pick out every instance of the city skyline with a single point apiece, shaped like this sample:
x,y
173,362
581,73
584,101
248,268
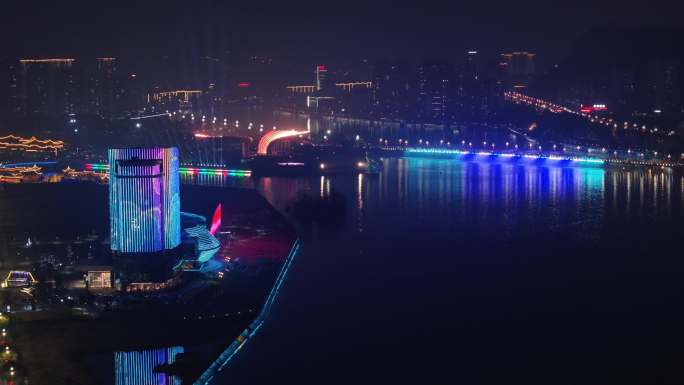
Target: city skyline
x,y
378,192
281,30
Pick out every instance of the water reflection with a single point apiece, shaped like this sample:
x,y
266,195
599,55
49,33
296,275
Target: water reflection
x,y
490,194
512,266
137,367
359,201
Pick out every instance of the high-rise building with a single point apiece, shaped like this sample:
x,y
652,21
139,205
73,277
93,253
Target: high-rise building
x,y
9,97
322,79
518,68
394,90
104,91
471,93
174,100
138,367
133,92
47,86
472,67
434,87
144,199
658,86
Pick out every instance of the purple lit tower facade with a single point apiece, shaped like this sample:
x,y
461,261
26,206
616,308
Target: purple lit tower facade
x,y
144,199
138,367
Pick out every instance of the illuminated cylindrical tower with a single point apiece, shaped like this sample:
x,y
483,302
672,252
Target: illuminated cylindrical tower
x,y
144,201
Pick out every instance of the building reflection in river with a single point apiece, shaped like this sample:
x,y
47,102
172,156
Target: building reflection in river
x,y
138,367
488,193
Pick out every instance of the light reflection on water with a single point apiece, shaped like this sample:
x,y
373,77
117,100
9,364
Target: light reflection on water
x,y
138,367
500,196
489,194
462,269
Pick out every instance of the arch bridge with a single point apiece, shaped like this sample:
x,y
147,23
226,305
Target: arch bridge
x,y
272,136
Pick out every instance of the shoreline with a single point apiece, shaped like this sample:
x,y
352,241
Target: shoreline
x,y
63,347
237,344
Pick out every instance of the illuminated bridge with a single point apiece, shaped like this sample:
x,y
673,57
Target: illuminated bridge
x,y
272,136
607,158
502,155
103,167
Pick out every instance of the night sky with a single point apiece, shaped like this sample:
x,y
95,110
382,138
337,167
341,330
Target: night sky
x,y
312,32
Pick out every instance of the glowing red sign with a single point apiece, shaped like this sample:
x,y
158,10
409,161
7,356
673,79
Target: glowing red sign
x,y
596,107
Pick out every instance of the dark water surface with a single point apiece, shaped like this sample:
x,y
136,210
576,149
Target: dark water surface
x,y
448,272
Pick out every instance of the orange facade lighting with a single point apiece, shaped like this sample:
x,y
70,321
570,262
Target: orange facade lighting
x,y
305,89
180,94
13,142
48,61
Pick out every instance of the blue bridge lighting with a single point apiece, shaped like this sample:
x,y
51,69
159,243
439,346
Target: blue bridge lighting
x,y
490,155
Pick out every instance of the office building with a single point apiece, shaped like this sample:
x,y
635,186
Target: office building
x,y
189,100
394,91
518,68
144,199
104,91
322,78
434,86
47,86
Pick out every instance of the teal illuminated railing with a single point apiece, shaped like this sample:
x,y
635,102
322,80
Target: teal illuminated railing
x,y
237,344
214,171
184,170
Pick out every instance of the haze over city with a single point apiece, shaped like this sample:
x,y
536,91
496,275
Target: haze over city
x,y
341,192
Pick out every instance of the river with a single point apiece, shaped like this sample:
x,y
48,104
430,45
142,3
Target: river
x,y
445,271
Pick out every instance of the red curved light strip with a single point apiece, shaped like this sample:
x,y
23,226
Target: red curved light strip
x,y
272,136
216,220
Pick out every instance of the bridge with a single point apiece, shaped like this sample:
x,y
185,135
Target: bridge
x,y
561,158
272,136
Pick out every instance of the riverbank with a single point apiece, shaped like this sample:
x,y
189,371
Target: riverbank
x,y
78,343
